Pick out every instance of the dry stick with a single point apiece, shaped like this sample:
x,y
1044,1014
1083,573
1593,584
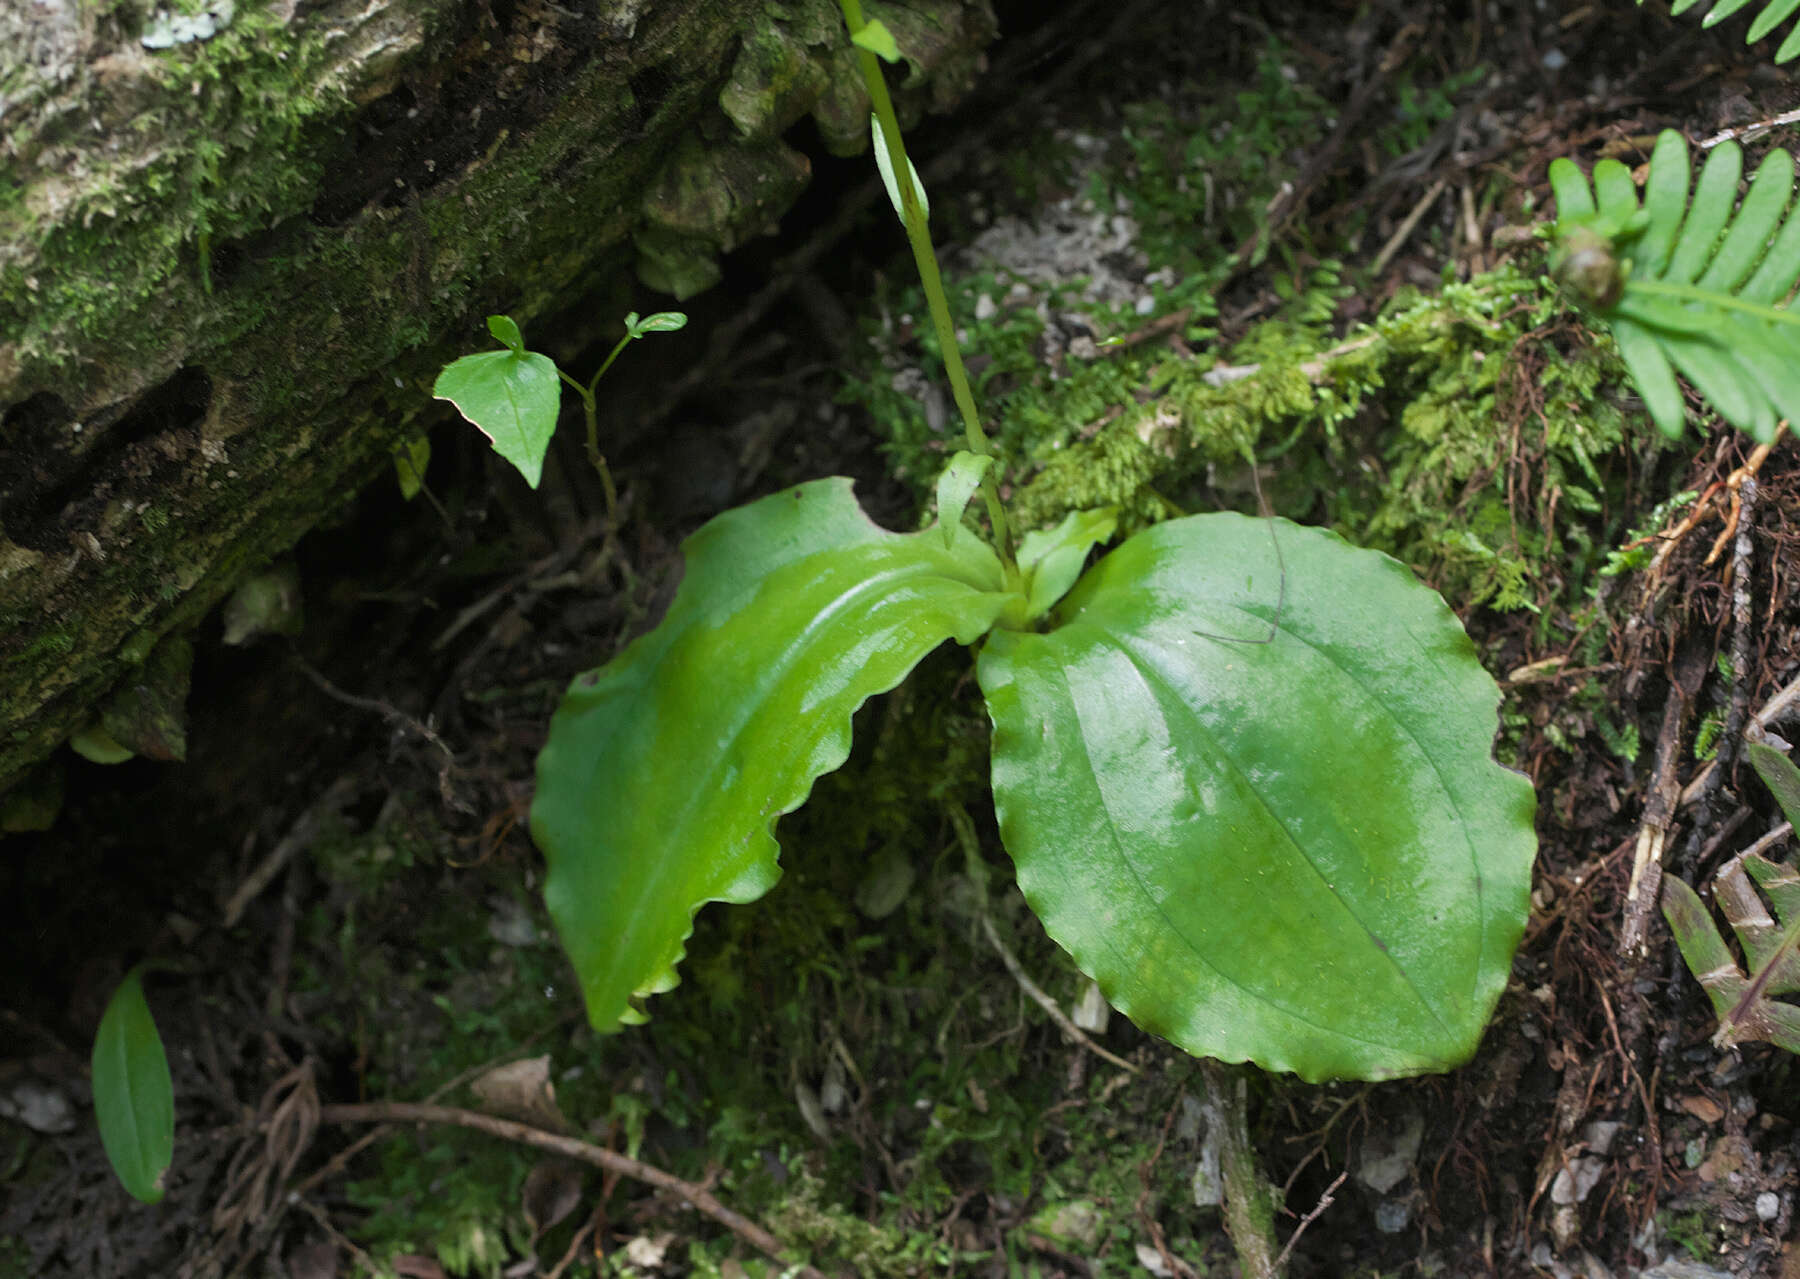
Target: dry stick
x,y
1247,1195
1653,832
1044,1001
569,1148
1318,1209
300,836
1743,626
1397,241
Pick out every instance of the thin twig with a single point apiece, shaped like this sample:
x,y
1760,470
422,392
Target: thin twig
x,y
1044,1001
299,837
568,1147
1318,1209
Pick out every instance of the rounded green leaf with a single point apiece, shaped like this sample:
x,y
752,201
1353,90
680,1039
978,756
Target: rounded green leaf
x,y
512,396
665,770
134,1098
1297,852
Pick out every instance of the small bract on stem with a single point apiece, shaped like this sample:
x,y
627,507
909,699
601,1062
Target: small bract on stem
x,y
909,204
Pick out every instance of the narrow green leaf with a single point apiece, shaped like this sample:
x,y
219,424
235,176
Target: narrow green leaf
x,y
512,397
665,769
1665,200
1714,195
877,39
506,333
1703,950
1780,776
1297,852
956,486
885,164
134,1097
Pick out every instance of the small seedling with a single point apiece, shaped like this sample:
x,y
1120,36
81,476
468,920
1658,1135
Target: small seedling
x,y
513,398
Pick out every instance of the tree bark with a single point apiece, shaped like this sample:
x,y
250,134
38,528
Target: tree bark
x,y
235,247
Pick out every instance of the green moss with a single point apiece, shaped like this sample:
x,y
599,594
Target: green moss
x,y
255,119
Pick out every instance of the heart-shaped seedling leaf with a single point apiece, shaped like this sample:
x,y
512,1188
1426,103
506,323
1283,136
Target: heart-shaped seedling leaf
x,y
134,1097
666,769
885,163
512,396
1252,793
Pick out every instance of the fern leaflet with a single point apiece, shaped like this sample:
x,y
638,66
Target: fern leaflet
x,y
1746,1007
1774,13
1700,287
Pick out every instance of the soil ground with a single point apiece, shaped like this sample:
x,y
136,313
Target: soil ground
x,y
851,1063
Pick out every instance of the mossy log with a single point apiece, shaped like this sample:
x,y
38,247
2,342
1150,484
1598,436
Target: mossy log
x,y
236,245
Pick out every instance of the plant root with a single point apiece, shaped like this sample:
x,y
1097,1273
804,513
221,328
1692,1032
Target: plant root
x,y
570,1148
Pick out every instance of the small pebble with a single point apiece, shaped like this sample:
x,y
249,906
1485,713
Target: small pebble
x,y
1768,1206
1555,60
1146,304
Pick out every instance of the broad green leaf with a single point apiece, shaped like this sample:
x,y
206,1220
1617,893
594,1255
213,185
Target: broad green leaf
x,y
885,163
955,487
134,1098
665,769
1258,805
512,396
1051,559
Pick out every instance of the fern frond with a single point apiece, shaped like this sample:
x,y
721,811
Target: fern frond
x,y
1698,286
1774,13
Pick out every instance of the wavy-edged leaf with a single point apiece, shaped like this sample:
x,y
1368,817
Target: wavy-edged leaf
x,y
1773,14
1297,852
134,1097
1698,286
666,768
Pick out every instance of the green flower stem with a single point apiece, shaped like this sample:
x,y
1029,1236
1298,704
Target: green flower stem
x,y
918,235
591,409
